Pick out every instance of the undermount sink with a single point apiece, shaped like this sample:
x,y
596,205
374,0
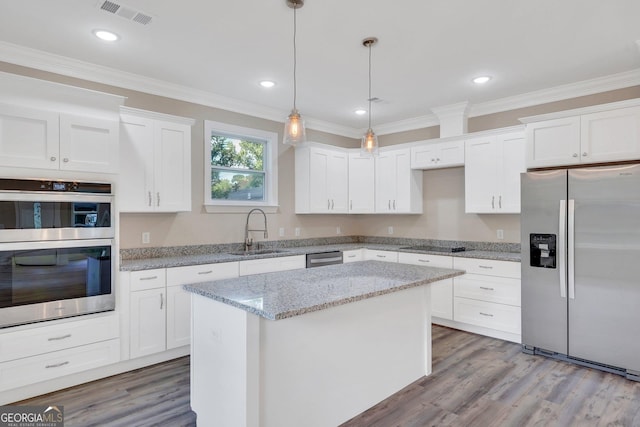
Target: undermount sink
x,y
257,252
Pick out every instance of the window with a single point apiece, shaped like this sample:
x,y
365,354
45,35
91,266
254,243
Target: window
x,y
240,168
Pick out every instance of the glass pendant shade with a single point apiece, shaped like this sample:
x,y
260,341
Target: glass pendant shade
x,y
294,131
369,145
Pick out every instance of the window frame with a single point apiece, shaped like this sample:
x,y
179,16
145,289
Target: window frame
x,y
270,165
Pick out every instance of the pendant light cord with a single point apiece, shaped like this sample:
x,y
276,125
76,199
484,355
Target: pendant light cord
x,y
370,85
295,83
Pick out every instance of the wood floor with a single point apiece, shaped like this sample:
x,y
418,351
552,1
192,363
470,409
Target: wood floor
x,y
476,381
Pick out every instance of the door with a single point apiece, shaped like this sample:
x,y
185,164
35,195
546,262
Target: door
x,y
553,142
361,183
610,135
544,290
178,317
88,144
172,173
135,190
512,156
385,167
148,322
603,304
319,199
481,170
338,182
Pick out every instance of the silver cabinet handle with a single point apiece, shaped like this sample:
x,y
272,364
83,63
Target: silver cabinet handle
x,y
351,256
205,272
433,160
328,204
575,154
493,202
438,160
424,260
66,160
149,278
53,159
161,301
158,198
394,205
484,288
488,267
562,254
500,202
57,365
332,203
572,248
389,204
585,154
350,204
486,314
59,338
150,202
381,256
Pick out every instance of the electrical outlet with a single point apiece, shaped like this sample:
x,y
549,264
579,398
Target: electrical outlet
x,y
390,230
297,231
281,232
500,234
338,231
146,238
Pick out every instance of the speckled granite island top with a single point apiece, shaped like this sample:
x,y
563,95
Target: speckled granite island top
x,y
280,295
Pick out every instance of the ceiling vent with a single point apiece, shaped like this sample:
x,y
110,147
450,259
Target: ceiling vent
x,y
125,12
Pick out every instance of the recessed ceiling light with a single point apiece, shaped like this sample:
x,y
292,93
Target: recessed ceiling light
x,y
360,112
267,83
481,80
105,35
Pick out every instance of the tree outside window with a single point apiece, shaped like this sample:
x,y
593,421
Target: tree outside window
x,y
237,168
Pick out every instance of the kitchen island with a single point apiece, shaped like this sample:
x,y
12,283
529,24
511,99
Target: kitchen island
x,y
310,347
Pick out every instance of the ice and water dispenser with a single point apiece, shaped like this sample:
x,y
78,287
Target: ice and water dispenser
x,y
543,250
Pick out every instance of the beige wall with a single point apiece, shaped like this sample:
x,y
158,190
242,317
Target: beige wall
x,y
443,216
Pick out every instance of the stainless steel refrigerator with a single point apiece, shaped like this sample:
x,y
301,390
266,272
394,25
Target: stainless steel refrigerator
x,y
581,266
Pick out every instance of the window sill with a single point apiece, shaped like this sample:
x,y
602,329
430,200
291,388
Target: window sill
x,y
270,209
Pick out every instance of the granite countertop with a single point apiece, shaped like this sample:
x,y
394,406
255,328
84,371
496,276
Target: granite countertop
x,y
284,294
218,257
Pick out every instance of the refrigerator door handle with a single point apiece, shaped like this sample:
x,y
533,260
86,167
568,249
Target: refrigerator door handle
x,y
562,253
571,243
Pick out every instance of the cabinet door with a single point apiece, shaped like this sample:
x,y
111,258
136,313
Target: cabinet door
x,y
172,173
610,135
361,184
178,317
338,182
424,156
512,165
481,175
385,168
135,190
442,299
451,154
553,142
402,202
319,198
28,138
148,322
88,144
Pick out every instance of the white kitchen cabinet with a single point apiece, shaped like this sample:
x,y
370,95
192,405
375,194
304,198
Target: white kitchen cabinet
x,y
378,255
488,297
148,321
269,265
353,255
434,155
155,172
441,291
398,188
361,183
493,165
179,300
322,174
31,138
597,137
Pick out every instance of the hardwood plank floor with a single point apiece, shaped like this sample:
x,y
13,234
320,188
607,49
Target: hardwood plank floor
x,y
476,381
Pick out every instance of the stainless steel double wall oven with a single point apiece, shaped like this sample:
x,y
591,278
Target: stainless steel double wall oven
x,y
56,243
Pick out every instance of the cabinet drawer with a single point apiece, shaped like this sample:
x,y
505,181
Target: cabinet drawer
x,y
147,279
352,256
425,259
488,267
487,314
268,265
387,256
488,288
46,339
36,369
201,273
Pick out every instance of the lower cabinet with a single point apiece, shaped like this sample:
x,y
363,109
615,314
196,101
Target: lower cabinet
x,y
45,352
269,265
160,310
353,255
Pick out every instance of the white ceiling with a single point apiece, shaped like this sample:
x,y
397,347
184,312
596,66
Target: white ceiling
x,y
427,54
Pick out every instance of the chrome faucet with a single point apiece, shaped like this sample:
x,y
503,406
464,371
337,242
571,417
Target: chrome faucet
x,y
248,241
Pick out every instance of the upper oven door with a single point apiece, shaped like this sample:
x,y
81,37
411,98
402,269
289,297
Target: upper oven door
x,y
29,217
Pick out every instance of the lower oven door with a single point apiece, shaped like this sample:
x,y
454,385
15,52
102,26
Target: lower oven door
x,y
50,280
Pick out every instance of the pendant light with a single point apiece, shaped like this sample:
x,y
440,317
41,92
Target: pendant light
x,y
294,131
369,145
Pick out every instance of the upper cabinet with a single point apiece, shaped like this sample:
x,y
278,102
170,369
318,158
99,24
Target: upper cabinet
x,y
361,183
433,155
596,137
398,188
40,139
322,174
155,162
493,165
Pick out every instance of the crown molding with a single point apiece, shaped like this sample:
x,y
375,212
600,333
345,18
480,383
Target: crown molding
x,y
49,62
